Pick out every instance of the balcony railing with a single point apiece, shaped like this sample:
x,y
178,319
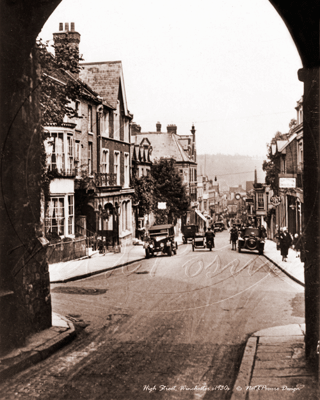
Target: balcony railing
x,y
105,180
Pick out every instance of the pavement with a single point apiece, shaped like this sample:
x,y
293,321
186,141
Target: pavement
x,y
273,364
38,347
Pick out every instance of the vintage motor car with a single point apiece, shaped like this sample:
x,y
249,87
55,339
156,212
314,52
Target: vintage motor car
x,y
189,232
251,239
218,226
161,240
201,242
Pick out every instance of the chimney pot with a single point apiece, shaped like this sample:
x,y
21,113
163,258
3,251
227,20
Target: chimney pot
x,y
60,26
66,26
72,26
172,128
158,125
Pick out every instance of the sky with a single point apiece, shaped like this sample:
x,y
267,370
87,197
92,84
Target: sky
x,y
228,67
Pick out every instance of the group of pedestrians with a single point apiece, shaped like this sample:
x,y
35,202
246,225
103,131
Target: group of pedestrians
x,y
285,241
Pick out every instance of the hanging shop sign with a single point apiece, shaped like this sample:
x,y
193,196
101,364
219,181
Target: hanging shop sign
x,y
287,183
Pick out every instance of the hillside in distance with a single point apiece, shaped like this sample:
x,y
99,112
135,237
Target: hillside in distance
x,y
233,169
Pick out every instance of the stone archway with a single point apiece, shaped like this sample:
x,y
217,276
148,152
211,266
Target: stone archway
x,y
21,21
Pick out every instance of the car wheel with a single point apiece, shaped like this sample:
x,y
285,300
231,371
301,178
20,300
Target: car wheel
x,y
170,251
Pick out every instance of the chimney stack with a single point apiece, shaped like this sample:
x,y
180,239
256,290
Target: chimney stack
x,y
135,128
158,125
66,37
172,128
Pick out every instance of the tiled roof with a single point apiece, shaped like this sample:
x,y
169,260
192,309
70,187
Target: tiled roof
x,y
105,78
166,145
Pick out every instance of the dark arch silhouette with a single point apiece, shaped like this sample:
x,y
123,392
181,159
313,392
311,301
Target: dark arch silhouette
x,y
21,22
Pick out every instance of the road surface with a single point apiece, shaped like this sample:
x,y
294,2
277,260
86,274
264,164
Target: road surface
x,y
164,328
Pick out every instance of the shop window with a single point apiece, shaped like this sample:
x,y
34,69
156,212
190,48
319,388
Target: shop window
x,y
260,201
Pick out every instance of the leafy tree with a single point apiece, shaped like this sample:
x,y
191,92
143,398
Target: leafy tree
x,y
143,193
58,84
168,188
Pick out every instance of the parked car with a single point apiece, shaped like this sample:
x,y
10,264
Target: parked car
x,y
160,240
188,232
251,239
219,226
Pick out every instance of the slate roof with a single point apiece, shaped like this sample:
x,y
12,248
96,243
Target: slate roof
x,y
166,145
105,78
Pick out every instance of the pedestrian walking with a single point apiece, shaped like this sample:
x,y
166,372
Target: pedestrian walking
x,y
234,238
263,232
285,242
296,244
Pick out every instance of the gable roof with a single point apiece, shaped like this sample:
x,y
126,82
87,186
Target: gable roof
x,y
166,145
106,78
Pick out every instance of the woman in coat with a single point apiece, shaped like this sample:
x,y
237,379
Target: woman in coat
x,y
285,243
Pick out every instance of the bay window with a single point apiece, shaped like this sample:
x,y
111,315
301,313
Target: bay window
x,y
71,214
55,216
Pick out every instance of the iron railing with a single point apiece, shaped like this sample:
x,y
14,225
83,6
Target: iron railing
x,y
104,179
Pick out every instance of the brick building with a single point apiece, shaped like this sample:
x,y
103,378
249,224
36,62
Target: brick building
x,y
90,154
287,152
181,148
112,201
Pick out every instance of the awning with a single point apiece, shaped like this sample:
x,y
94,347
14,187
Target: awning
x,y
201,216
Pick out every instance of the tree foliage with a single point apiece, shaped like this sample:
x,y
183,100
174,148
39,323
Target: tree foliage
x,y
143,193
168,188
58,84
163,185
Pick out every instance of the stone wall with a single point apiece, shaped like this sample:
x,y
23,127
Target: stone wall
x,y
24,278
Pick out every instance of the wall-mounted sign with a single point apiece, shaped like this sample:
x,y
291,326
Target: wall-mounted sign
x,y
275,200
162,206
287,183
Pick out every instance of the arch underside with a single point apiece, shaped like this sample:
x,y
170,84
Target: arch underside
x,y
28,17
